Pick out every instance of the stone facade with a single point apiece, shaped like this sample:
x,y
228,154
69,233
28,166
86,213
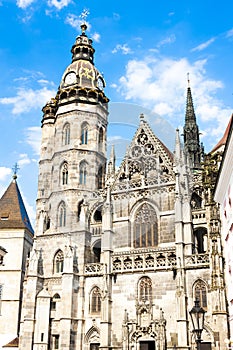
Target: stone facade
x,y
224,195
119,256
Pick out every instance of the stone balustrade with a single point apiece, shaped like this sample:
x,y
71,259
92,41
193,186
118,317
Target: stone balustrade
x,y
124,262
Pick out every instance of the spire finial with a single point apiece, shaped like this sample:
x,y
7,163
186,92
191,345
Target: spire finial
x,y
15,170
188,79
83,18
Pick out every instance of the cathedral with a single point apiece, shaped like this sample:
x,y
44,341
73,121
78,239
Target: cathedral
x,y
120,254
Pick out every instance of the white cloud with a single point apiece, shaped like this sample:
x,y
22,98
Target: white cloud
x,y
45,82
59,4
229,33
160,84
75,22
28,99
33,138
4,172
203,45
169,40
23,4
124,49
115,139
96,37
23,160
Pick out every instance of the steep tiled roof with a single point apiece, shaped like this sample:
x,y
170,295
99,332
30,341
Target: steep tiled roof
x,y
13,213
223,140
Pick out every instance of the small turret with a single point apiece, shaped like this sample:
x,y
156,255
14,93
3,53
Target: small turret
x,y
82,49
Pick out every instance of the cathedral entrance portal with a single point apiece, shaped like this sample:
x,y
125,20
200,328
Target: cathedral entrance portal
x,y
147,345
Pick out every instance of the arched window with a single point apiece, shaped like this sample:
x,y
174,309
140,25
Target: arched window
x,y
145,227
64,174
58,262
79,208
101,139
62,215
97,251
95,300
56,298
84,134
200,293
200,239
66,134
145,289
100,178
83,173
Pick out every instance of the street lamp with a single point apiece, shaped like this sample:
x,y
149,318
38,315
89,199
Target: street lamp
x,y
197,315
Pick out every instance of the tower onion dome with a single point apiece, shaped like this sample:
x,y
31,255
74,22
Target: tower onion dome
x,y
82,73
81,81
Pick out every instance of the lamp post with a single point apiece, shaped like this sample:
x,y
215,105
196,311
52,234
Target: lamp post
x,y
197,315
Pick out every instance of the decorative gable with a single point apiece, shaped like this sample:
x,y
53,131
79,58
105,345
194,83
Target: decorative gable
x,y
148,161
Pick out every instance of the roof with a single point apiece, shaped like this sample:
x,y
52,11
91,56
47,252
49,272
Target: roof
x,y
224,173
12,344
223,140
13,213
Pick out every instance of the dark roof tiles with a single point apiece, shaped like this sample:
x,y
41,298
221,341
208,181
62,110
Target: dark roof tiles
x,y
13,213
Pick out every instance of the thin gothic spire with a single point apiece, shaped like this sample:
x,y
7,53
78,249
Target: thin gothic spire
x,y
191,131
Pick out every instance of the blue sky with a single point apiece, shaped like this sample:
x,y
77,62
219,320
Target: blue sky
x,y
145,51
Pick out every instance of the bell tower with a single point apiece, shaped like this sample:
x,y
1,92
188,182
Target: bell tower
x,y
72,166
74,126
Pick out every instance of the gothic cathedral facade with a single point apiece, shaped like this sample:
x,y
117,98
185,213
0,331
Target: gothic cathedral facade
x,y
120,255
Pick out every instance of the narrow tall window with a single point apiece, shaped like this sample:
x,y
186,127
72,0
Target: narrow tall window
x,y
66,134
84,134
200,293
101,139
65,174
56,341
100,178
95,302
83,173
56,298
62,215
145,289
145,227
58,262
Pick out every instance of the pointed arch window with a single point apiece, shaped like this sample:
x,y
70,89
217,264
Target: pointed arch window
x,y
145,227
64,174
66,134
95,300
145,289
62,215
59,262
83,173
84,134
200,293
